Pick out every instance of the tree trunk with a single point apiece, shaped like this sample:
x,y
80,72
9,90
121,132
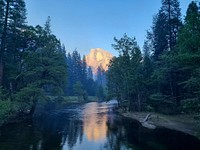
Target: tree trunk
x,y
139,102
1,70
32,110
171,86
33,106
3,42
146,118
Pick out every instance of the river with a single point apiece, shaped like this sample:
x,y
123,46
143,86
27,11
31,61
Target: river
x,y
91,126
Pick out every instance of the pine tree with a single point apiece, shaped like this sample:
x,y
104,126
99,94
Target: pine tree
x,y
166,25
189,35
147,70
1,15
171,8
47,25
159,35
44,68
69,90
4,23
124,72
84,72
89,73
115,79
13,27
188,58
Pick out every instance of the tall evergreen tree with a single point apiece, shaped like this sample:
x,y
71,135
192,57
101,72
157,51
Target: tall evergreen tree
x,y
147,70
115,79
189,35
89,73
126,70
171,8
4,23
13,27
78,71
188,58
159,35
1,15
166,25
84,72
70,82
47,25
43,71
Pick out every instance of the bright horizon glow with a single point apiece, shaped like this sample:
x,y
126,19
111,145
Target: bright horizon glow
x,y
87,24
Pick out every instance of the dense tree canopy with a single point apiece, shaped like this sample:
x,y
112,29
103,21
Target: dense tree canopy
x,y
166,78
79,72
32,62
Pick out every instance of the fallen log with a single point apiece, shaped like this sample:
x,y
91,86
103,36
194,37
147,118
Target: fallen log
x,y
146,118
146,124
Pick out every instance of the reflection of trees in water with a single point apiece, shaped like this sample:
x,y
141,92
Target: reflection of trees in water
x,y
59,130
115,135
18,137
125,134
73,130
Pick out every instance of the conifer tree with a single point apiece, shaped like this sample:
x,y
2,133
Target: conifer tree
x,y
171,8
166,25
188,58
13,25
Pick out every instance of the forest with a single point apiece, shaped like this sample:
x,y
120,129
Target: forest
x,y
166,76
163,76
34,65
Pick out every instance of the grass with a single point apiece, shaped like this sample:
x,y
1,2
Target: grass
x,y
72,99
76,99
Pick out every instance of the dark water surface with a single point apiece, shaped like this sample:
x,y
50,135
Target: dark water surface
x,y
93,126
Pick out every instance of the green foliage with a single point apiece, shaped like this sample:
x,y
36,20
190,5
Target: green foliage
x,y
32,61
124,75
188,40
78,72
161,103
80,92
190,105
100,93
167,78
157,97
5,110
78,89
3,94
27,96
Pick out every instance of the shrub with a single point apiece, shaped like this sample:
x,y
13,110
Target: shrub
x,y
5,110
190,105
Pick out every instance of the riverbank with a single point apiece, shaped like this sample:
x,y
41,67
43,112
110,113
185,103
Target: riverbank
x,y
10,112
188,124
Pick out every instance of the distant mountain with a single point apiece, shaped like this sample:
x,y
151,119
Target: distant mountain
x,y
97,57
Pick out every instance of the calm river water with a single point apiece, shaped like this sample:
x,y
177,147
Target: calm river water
x,y
92,126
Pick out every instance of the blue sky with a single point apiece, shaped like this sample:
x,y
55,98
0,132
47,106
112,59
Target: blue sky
x,y
86,24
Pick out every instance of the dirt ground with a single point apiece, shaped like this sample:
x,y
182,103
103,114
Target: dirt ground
x,y
185,123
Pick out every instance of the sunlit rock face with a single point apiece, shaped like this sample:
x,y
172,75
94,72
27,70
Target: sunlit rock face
x,y
98,57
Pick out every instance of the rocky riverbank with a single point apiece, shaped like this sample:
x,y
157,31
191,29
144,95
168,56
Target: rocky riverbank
x,y
189,124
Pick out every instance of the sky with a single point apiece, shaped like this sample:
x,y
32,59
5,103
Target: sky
x,y
87,24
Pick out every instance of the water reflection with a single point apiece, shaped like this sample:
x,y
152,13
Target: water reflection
x,y
95,127
92,126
